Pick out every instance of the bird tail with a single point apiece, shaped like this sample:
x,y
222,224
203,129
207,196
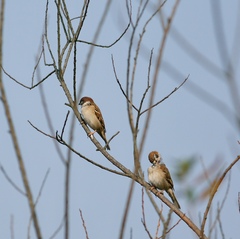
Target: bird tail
x,y
103,136
107,146
173,197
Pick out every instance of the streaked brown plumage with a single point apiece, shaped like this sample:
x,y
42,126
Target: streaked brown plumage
x,y
93,117
159,176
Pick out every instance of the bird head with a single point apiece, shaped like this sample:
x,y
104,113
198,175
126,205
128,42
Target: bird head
x,y
154,157
85,101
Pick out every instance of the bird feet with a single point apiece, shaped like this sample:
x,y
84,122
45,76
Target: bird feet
x,y
91,134
159,191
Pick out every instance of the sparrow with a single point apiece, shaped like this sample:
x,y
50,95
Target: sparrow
x,y
92,116
159,176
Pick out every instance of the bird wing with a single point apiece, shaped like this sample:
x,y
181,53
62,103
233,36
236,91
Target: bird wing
x,y
167,173
99,116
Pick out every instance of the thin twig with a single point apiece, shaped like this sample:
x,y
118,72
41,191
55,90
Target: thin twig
x,y
25,86
66,15
75,73
41,188
58,229
94,163
139,44
75,37
13,134
213,192
11,181
145,93
47,41
120,86
58,138
83,223
239,201
173,226
159,102
166,224
202,94
182,215
62,21
220,223
135,58
126,210
221,206
158,227
67,192
38,59
48,118
48,135
106,46
143,217
108,142
38,197
148,83
64,125
156,73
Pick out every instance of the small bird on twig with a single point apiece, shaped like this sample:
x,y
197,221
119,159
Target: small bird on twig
x,y
92,116
159,176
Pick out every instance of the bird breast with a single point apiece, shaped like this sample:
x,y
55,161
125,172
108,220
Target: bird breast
x,y
157,177
90,118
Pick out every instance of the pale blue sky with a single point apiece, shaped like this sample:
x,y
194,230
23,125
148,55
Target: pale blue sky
x,y
182,126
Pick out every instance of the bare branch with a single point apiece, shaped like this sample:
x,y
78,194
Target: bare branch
x,y
49,120
213,192
220,223
11,181
148,83
143,220
38,197
60,140
83,223
47,41
156,73
65,13
25,86
48,135
126,210
94,163
239,201
166,224
58,229
173,226
42,186
120,86
75,73
64,125
145,93
106,46
14,136
175,89
220,207
182,215
137,54
108,142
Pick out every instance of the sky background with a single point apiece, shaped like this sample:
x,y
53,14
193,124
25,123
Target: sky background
x,y
185,125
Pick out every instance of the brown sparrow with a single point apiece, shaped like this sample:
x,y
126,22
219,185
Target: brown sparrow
x,y
159,176
93,117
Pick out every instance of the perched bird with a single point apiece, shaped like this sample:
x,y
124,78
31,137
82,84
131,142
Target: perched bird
x,y
159,176
93,117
